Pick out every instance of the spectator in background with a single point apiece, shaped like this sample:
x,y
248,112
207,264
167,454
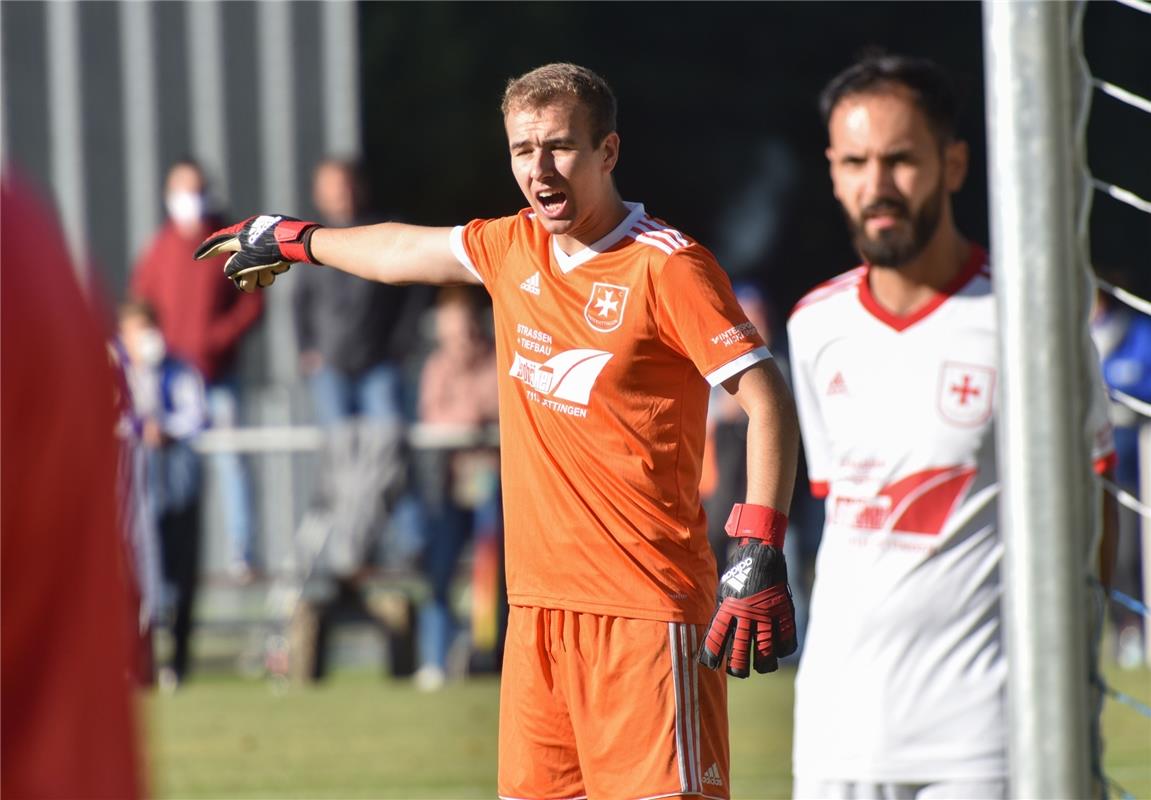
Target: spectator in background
x,y
68,727
458,487
203,323
1123,338
137,524
346,326
168,398
346,330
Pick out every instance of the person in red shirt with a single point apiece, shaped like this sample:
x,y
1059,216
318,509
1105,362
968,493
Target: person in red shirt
x,y
69,727
203,323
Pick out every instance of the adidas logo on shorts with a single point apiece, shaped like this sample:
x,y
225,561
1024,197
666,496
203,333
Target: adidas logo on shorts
x,y
532,284
712,776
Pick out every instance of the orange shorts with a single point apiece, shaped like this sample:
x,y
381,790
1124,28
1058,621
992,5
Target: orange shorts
x,y
608,708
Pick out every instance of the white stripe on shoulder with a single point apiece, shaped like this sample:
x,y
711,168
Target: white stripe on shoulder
x,y
648,231
645,238
738,365
654,225
672,232
456,242
664,237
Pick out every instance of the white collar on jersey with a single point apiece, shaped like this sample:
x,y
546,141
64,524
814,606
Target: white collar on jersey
x,y
568,263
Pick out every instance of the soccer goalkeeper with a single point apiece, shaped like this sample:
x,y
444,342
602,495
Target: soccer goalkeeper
x,y
610,327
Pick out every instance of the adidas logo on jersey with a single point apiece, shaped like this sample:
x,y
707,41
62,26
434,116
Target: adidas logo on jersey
x,y
712,776
532,284
837,386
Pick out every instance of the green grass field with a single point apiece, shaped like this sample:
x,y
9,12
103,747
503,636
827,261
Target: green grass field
x,y
363,737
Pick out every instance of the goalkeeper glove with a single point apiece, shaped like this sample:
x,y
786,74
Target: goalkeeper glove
x,y
262,248
753,602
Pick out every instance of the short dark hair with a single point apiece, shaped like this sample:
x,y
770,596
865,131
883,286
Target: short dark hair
x,y
878,73
551,82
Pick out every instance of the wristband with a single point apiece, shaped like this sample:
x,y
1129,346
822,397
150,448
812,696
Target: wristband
x,y
294,238
749,521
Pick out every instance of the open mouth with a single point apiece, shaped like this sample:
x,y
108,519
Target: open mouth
x,y
552,203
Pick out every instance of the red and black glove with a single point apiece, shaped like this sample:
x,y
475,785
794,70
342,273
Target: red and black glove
x,y
753,604
263,247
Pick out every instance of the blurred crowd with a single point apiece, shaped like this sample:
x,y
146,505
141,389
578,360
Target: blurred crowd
x,y
377,360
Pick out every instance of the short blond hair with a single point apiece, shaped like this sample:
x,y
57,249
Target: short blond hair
x,y
551,82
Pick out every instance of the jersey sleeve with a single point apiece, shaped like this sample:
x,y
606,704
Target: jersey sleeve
x,y
699,315
816,446
482,244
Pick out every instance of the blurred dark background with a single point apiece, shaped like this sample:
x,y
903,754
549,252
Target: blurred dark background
x,y
721,133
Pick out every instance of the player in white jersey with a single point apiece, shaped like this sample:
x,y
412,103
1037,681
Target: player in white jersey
x,y
900,691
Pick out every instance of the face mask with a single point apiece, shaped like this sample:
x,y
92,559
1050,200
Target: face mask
x,y
185,207
150,346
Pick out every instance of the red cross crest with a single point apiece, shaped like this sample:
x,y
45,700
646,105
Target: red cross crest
x,y
604,309
966,393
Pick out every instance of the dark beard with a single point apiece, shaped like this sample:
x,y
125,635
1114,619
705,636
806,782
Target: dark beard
x,y
894,248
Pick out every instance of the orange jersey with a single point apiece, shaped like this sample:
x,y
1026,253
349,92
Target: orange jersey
x,y
605,359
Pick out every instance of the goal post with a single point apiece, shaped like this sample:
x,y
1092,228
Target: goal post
x,y
1046,507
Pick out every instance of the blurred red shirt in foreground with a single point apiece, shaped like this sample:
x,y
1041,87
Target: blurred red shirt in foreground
x,y
68,728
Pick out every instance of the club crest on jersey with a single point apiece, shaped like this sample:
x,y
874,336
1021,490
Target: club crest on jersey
x,y
604,309
966,393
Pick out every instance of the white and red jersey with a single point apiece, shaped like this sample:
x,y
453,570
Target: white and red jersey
x,y
903,672
605,357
